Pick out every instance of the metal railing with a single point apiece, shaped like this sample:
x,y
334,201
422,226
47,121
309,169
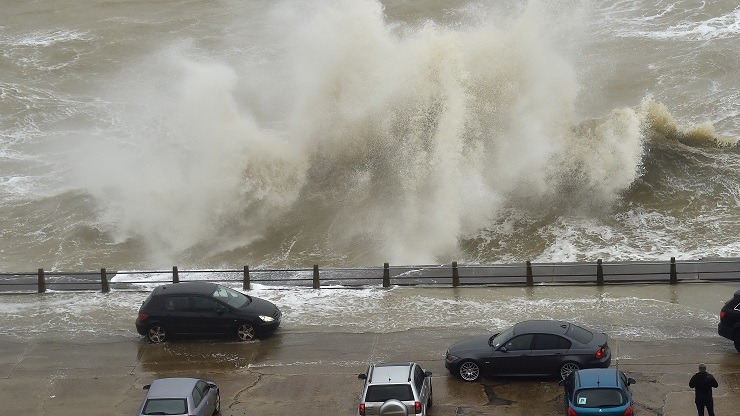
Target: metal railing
x,y
453,275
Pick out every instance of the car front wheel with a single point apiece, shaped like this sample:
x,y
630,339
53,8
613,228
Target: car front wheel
x,y
469,371
245,332
568,368
156,334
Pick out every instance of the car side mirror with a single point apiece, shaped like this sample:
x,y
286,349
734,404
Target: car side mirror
x,y
503,349
362,376
631,381
427,374
147,387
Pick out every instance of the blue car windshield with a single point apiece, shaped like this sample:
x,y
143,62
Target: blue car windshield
x,y
165,407
599,397
231,297
499,339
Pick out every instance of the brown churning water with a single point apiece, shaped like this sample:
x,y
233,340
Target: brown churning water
x,y
138,135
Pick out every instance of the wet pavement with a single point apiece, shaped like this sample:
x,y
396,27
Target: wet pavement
x,y
315,373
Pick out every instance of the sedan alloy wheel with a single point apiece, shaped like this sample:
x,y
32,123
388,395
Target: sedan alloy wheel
x,y
469,371
568,368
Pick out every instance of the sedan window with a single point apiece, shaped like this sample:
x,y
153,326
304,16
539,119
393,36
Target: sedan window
x,y
581,335
522,342
550,342
165,407
231,297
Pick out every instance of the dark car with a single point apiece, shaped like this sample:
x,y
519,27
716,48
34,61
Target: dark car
x,y
530,348
729,320
204,310
598,391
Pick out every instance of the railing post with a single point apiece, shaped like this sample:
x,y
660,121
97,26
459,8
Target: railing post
x,y
246,278
42,281
674,275
175,275
455,275
386,275
530,276
104,287
599,273
316,283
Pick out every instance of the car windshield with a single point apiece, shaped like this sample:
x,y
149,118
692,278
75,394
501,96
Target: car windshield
x,y
599,398
231,297
165,407
383,392
499,339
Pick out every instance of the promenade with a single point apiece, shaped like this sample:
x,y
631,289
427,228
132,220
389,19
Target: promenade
x,y
315,374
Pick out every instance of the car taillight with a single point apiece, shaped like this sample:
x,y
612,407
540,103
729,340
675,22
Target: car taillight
x,y
628,412
362,409
722,315
572,412
417,407
599,354
143,316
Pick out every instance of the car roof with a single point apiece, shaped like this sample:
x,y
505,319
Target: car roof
x,y
598,377
546,326
174,387
390,373
198,288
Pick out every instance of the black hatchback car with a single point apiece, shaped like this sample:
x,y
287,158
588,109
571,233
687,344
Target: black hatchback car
x,y
729,320
530,348
204,310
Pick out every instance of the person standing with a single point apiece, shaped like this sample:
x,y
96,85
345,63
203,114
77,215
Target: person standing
x,y
702,383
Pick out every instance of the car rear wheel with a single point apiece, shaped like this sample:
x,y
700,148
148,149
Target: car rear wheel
x,y
737,342
156,334
568,368
469,371
430,402
245,332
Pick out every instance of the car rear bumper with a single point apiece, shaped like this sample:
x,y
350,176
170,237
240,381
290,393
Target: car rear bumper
x,y
725,331
141,327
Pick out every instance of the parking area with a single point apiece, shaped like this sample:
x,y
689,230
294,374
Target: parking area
x,y
315,373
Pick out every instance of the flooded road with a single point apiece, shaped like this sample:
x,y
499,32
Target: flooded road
x,y
645,312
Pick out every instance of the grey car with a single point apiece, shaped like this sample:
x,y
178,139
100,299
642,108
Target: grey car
x,y
181,396
399,389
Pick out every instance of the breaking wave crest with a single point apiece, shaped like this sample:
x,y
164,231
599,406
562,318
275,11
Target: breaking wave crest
x,y
358,140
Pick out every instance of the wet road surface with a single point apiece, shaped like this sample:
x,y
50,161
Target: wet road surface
x,y
86,359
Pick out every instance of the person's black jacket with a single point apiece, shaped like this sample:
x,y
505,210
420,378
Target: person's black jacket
x,y
703,382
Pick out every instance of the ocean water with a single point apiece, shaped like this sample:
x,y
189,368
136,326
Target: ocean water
x,y
141,135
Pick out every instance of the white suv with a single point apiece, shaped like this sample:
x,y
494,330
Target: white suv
x,y
400,389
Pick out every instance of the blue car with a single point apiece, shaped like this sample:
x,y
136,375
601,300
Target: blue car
x,y
598,391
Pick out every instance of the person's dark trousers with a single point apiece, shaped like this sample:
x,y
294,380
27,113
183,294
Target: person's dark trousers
x,y
709,404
